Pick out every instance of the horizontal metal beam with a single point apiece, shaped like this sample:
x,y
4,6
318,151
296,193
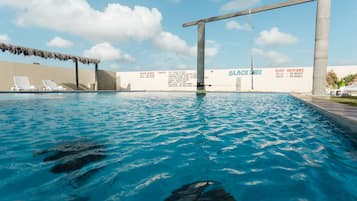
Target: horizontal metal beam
x,y
247,12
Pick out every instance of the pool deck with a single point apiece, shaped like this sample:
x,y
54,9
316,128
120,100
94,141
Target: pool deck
x,y
344,115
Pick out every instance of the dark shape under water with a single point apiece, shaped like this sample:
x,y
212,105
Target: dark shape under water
x,y
79,179
72,149
200,191
77,163
74,155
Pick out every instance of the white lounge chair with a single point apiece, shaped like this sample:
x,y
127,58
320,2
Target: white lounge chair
x,y
347,90
50,85
22,83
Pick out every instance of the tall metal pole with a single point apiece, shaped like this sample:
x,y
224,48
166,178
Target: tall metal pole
x,y
77,80
96,77
201,59
321,47
251,49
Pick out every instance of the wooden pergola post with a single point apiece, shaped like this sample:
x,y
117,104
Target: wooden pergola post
x,y
77,79
96,77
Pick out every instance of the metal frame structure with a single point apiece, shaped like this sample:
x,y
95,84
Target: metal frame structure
x,y
321,41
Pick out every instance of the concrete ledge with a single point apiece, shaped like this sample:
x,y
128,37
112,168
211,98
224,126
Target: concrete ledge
x,y
344,115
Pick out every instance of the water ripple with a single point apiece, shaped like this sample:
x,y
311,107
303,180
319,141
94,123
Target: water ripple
x,y
259,146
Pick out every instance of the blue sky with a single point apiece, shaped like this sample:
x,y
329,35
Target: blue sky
x,y
130,35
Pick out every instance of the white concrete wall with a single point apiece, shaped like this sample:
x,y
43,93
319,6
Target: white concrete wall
x,y
289,79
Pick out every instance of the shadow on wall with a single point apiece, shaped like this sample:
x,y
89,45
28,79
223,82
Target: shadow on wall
x,y
127,88
119,87
106,80
72,86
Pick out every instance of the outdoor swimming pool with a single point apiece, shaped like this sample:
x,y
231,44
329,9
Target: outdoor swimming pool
x,y
257,146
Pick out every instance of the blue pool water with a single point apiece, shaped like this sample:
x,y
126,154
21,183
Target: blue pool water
x,y
258,146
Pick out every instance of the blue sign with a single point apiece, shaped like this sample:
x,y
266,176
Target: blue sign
x,y
244,72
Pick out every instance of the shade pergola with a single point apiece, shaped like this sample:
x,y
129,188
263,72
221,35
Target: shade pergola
x,y
19,50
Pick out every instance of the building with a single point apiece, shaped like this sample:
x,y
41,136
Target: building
x,y
287,79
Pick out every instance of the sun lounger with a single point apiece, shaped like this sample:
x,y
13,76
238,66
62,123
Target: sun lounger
x,y
50,85
22,83
350,89
347,90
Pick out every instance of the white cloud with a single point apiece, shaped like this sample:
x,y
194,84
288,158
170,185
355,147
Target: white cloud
x,y
275,37
233,25
239,4
272,56
15,3
4,38
170,42
106,52
116,23
59,43
114,66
